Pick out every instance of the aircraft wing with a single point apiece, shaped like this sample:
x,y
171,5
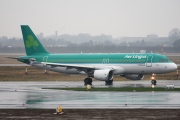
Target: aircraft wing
x,y
69,65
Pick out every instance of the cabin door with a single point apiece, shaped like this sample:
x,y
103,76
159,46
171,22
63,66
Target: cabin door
x,y
149,61
45,58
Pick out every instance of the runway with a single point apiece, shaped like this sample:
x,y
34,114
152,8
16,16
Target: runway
x,y
30,95
14,65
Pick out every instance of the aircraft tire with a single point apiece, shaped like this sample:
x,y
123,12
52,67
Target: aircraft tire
x,y
87,81
109,82
153,82
90,81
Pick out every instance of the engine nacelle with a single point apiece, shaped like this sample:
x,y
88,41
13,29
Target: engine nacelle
x,y
103,74
134,76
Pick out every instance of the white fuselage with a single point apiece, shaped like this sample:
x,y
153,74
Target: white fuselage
x,y
146,68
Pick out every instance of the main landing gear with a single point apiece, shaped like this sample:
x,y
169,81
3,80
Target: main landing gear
x,y
87,81
109,82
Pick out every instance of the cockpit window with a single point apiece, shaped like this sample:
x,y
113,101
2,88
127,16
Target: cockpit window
x,y
164,60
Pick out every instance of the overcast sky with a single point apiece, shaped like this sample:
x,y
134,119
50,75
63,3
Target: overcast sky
x,y
112,17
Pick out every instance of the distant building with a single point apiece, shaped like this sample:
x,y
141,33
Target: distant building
x,y
152,36
56,34
4,38
142,51
40,36
151,40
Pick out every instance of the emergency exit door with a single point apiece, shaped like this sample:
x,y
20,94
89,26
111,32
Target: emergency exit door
x,y
149,61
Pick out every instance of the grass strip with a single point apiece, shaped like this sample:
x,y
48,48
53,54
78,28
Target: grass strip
x,y
117,89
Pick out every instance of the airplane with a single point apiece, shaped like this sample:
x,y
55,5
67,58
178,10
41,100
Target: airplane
x,y
102,67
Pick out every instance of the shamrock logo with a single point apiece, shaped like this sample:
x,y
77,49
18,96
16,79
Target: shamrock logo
x,y
31,42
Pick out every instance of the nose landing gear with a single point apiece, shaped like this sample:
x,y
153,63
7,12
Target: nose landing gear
x,y
177,74
153,80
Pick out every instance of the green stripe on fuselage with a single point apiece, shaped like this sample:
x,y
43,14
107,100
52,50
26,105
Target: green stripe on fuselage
x,y
128,58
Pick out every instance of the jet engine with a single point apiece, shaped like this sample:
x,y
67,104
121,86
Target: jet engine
x,y
134,76
103,75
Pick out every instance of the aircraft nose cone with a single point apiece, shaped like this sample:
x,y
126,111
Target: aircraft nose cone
x,y
174,66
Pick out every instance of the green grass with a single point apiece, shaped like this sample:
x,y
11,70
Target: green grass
x,y
117,89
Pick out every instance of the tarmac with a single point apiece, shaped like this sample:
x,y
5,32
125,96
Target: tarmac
x,y
30,95
90,114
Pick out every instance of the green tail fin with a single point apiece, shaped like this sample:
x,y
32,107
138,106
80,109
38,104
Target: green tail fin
x,y
31,42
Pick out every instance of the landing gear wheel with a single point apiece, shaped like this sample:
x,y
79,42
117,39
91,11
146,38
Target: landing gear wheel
x,y
87,81
109,82
153,82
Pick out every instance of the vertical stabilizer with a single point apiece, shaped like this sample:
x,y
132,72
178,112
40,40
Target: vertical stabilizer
x,y
31,42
